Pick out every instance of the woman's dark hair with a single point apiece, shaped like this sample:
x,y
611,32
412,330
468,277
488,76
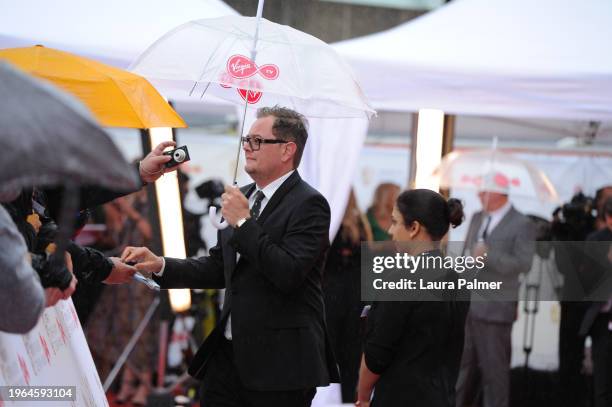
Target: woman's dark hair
x,y
431,210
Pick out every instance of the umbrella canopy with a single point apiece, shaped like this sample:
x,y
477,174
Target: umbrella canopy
x,y
116,97
493,170
49,138
287,67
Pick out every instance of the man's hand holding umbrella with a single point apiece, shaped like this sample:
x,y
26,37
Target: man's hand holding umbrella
x,y
235,205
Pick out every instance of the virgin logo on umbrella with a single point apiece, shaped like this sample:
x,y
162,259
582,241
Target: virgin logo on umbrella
x,y
241,67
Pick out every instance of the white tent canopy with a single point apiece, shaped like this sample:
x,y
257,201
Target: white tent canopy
x,y
112,31
512,58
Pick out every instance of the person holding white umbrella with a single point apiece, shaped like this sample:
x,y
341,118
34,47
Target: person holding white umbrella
x,y
254,62
506,238
270,347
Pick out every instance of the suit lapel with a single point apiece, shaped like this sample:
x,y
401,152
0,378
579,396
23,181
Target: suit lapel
x,y
278,196
247,190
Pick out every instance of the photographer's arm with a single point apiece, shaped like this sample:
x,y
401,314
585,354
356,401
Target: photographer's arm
x,y
149,169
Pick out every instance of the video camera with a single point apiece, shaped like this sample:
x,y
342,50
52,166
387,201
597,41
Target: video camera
x,y
574,220
212,191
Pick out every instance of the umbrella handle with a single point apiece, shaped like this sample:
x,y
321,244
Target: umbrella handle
x,y
216,221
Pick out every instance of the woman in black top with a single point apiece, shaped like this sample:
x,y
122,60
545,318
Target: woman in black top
x,y
413,348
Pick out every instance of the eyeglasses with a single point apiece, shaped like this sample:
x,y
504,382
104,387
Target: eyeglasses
x,y
256,142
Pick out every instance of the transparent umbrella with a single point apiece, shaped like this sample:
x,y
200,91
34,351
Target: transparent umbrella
x,y
254,62
496,171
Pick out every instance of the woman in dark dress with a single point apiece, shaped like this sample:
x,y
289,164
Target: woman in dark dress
x,y
413,348
341,289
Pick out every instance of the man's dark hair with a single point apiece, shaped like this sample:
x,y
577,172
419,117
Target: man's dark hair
x,y
289,125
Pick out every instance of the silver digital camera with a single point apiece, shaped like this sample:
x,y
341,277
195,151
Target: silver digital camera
x,y
179,155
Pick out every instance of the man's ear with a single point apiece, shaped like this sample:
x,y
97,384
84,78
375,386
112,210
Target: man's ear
x,y
289,151
415,229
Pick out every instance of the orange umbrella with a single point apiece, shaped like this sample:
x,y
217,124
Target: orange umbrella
x,y
117,98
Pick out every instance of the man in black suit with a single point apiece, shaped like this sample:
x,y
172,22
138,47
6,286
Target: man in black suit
x,y
270,347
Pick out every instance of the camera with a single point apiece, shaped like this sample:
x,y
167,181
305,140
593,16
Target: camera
x,y
179,155
574,220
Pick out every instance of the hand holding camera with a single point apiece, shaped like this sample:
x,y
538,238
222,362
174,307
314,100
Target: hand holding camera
x,y
158,162
179,156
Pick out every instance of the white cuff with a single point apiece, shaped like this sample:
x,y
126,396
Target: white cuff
x,y
163,267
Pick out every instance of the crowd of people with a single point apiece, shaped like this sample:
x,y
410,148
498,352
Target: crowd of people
x,y
292,317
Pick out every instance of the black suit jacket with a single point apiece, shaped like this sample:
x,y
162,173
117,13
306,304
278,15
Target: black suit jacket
x,y
416,347
273,293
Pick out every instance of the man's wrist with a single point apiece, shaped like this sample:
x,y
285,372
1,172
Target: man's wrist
x,y
241,221
148,176
163,267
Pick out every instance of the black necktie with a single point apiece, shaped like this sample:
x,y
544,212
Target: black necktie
x,y
259,196
485,232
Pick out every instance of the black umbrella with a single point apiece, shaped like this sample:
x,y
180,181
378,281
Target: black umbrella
x,y
49,138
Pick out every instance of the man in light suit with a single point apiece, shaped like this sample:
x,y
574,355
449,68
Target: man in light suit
x,y
507,238
270,347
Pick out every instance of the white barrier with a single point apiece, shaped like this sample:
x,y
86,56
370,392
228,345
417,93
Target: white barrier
x,y
54,353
